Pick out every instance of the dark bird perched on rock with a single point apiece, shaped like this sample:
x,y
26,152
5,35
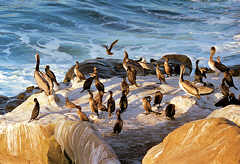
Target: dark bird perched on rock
x,y
146,102
98,97
110,104
70,104
167,67
160,75
118,124
79,75
158,98
131,63
99,85
49,81
50,74
108,49
233,100
224,88
82,116
229,79
38,76
187,86
170,111
92,103
215,66
198,74
132,73
227,100
87,83
35,111
123,104
124,86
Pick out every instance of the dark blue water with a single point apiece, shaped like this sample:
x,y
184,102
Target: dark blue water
x,y
63,31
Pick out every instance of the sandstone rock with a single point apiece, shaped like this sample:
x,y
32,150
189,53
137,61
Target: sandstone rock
x,y
55,137
230,112
214,140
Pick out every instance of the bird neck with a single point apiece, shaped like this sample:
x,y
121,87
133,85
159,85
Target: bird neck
x,y
37,64
181,75
211,55
119,117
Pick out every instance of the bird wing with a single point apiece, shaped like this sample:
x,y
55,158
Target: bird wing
x,y
221,66
41,82
189,87
113,43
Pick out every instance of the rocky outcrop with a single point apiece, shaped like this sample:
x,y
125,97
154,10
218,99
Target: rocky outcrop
x,y
108,68
214,140
56,137
230,112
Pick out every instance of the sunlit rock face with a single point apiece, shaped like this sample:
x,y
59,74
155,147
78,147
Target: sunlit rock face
x,y
57,136
230,112
214,140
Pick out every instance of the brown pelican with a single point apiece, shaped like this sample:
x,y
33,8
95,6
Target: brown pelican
x,y
108,49
186,85
78,74
167,67
51,74
41,81
215,66
131,63
199,74
160,75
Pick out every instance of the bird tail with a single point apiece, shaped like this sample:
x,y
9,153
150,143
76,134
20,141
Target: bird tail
x,y
82,91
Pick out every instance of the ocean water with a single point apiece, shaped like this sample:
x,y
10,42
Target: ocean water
x,y
63,31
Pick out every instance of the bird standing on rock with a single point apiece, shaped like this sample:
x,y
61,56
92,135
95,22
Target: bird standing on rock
x,y
158,98
108,49
170,111
92,103
51,74
224,88
215,66
160,75
229,79
198,74
124,86
79,75
132,73
98,97
118,124
131,63
35,111
38,76
99,85
87,83
123,104
186,85
110,104
146,102
167,67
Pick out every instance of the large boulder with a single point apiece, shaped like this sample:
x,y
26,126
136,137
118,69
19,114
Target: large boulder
x,y
230,112
57,136
214,140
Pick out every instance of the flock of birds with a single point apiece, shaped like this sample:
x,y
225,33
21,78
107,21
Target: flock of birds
x,y
46,82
